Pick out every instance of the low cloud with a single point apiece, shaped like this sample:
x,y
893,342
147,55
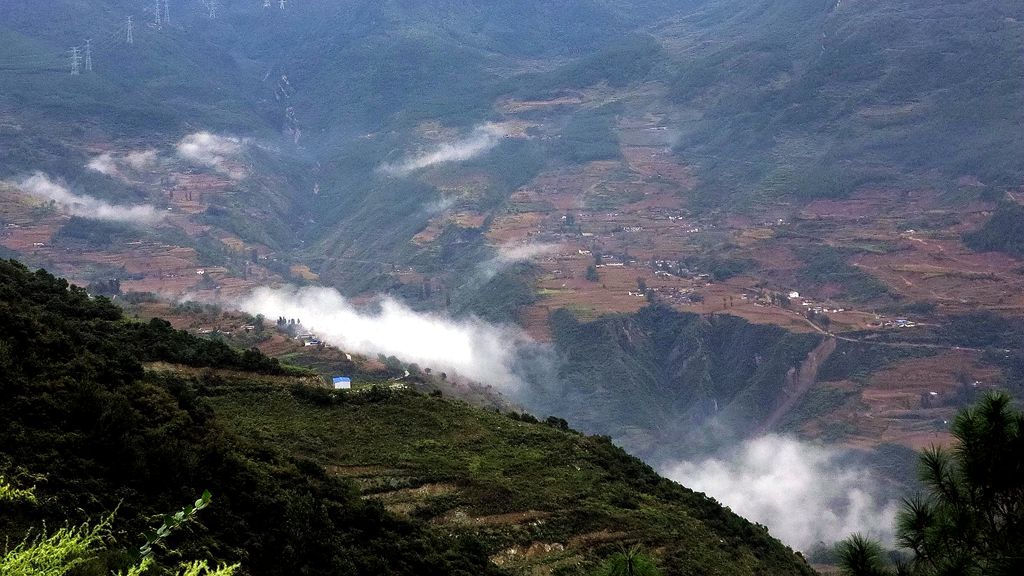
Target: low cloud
x,y
471,347
110,165
141,159
104,164
41,186
439,206
512,254
802,492
482,139
213,151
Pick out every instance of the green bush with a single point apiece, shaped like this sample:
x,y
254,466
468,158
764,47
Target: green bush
x,y
1004,231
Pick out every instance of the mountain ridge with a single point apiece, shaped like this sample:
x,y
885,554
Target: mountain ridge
x,y
320,480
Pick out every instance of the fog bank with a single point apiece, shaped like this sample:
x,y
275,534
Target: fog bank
x,y
41,186
212,150
137,160
800,491
104,164
511,254
481,139
471,347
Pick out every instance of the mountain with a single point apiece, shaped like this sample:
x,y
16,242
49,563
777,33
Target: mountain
x,y
717,217
766,102
814,99
102,412
668,384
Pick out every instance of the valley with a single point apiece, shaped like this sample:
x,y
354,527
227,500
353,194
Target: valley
x,y
379,478
686,225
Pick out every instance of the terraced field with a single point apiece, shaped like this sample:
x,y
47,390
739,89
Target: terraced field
x,y
541,498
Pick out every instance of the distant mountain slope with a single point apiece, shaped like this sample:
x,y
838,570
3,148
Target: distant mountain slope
x,y
308,480
354,60
769,100
812,98
668,383
1003,232
310,82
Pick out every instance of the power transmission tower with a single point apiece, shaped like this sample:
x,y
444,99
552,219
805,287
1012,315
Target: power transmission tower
x,y
88,55
266,3
76,62
158,15
128,39
167,12
283,4
211,5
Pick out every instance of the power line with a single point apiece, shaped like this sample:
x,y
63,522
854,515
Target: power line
x,y
28,60
77,59
115,38
57,67
81,57
61,63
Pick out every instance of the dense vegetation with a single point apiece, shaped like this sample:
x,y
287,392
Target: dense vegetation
x,y
447,462
971,519
1004,232
589,135
827,271
660,378
857,360
79,233
93,430
620,63
812,99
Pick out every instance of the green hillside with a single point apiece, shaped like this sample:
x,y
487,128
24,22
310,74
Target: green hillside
x,y
813,98
307,480
1003,232
669,383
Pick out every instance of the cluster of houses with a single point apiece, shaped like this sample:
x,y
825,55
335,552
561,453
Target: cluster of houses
x,y
670,268
819,309
680,296
683,272
895,323
308,339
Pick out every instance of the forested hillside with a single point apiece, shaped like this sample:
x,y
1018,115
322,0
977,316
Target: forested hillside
x,y
310,480
94,432
814,98
662,380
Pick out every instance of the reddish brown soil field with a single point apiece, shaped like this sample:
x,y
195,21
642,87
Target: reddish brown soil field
x,y
946,272
910,402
